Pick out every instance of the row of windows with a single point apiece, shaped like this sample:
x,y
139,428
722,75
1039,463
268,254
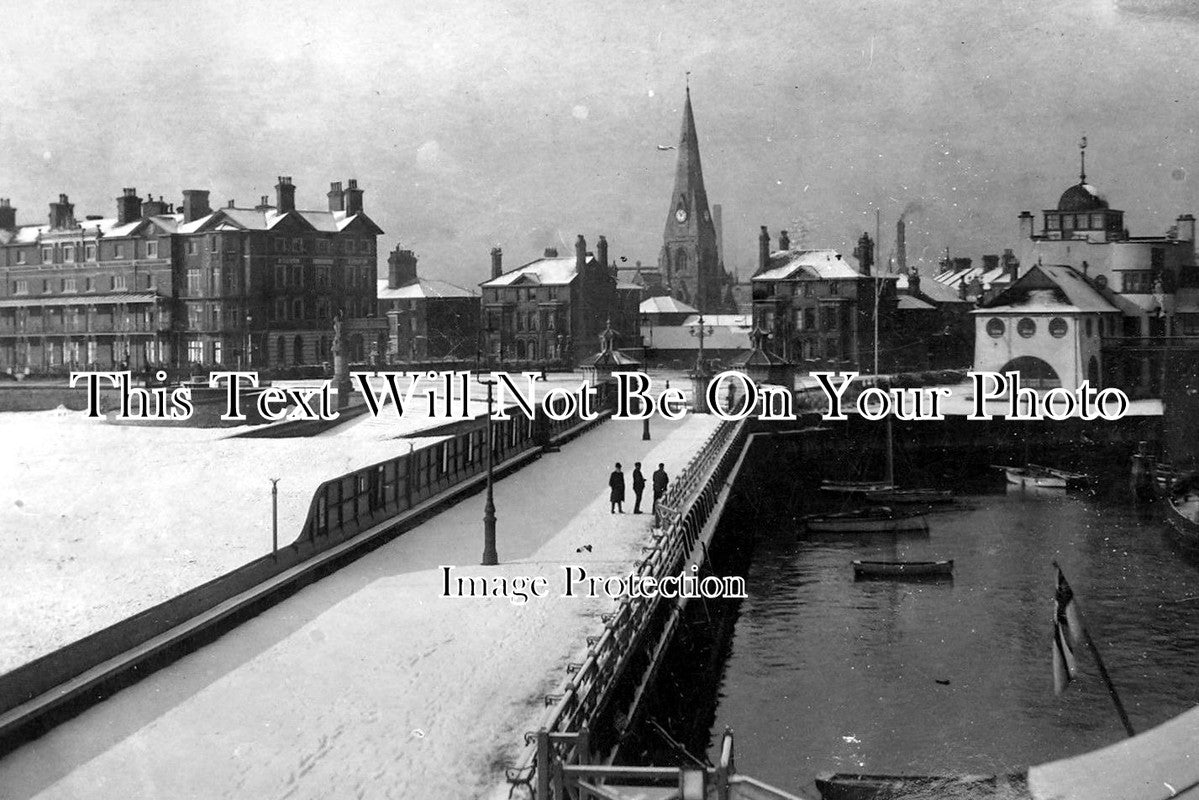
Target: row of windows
x,y
532,321
800,289
1096,222
526,294
1058,327
72,254
103,283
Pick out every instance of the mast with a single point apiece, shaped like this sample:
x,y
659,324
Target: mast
x,y
889,474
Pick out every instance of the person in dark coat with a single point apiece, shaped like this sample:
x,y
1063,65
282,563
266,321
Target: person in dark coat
x,y
638,487
660,483
616,484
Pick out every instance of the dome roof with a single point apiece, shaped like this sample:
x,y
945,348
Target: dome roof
x,y
1081,197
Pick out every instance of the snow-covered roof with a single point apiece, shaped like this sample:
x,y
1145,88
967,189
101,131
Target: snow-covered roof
x,y
906,302
421,288
813,264
932,289
1050,288
553,271
722,320
85,298
666,305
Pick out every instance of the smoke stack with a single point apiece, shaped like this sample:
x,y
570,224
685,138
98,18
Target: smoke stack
x,y
8,215
497,262
601,251
763,249
336,199
195,204
352,197
285,195
784,241
901,246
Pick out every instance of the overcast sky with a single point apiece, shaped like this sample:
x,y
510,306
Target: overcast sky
x,y
522,124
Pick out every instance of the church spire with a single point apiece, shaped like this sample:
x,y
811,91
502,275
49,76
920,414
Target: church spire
x,y
689,194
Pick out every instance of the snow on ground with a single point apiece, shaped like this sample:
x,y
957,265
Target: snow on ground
x,y
369,684
98,521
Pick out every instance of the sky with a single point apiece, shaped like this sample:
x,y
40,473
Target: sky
x,y
523,124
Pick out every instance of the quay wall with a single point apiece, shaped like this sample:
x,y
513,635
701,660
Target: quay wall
x,y
348,515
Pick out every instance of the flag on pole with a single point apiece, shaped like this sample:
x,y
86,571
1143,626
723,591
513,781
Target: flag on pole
x,y
1067,632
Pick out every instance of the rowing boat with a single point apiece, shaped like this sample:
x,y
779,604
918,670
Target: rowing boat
x,y
878,519
902,569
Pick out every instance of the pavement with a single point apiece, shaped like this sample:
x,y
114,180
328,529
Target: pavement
x,y
370,683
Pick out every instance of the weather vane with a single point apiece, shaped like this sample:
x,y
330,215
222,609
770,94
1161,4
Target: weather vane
x,y
1082,154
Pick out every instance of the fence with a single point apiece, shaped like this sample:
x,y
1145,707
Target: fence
x,y
636,634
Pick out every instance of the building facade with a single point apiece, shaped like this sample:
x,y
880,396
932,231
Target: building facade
x,y
187,286
553,309
427,318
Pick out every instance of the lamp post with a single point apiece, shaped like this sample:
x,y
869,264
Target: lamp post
x,y
249,341
699,377
701,331
490,557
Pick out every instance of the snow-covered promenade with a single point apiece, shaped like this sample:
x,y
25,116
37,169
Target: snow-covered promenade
x,y
370,683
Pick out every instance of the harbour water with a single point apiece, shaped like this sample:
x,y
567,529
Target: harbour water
x,y
826,673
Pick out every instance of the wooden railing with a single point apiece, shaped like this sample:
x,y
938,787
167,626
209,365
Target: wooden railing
x,y
565,738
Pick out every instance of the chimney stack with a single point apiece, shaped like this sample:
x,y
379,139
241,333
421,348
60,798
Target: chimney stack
x,y
497,262
580,254
901,246
62,214
763,249
264,204
1186,228
129,207
913,282
865,253
352,198
285,194
601,251
152,207
784,241
336,198
8,215
1011,264
401,268
1026,225
550,252
195,204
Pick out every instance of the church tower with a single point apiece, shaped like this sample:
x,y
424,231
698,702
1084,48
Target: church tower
x,y
689,262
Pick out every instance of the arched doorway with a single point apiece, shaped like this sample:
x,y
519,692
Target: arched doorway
x,y
1034,372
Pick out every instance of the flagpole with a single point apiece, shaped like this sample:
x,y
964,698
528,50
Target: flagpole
x,y
1111,689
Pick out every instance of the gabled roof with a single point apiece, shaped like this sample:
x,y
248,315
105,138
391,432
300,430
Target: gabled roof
x,y
666,304
269,219
422,288
931,289
1050,288
906,302
553,271
807,264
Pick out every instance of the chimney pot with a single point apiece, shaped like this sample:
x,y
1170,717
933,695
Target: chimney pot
x,y
497,262
784,241
285,195
763,249
551,252
352,198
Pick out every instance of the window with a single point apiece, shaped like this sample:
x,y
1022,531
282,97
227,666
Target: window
x,y
118,283
216,351
1052,222
1057,327
195,350
1136,282
1088,327
298,310
21,287
68,284
279,312
322,246
193,281
46,287
118,251
809,318
21,256
1026,327
47,255
152,249
995,327
828,317
89,284
834,287
68,253
214,243
191,247
297,245
89,252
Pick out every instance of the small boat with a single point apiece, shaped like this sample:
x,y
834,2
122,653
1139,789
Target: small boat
x,y
909,496
848,786
1026,476
1182,513
878,519
903,569
1072,479
856,487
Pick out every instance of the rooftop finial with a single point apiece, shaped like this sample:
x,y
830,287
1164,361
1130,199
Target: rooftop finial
x,y
1082,155
687,79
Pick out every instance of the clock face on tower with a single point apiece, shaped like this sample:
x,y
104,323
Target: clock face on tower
x,y
681,215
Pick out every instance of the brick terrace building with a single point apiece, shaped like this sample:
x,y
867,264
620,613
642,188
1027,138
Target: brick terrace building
x,y
554,308
157,285
426,318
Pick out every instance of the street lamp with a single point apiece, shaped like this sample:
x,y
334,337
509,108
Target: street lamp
x,y
490,557
249,341
701,331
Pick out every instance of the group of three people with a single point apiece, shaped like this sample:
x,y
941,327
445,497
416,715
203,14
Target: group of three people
x,y
616,484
